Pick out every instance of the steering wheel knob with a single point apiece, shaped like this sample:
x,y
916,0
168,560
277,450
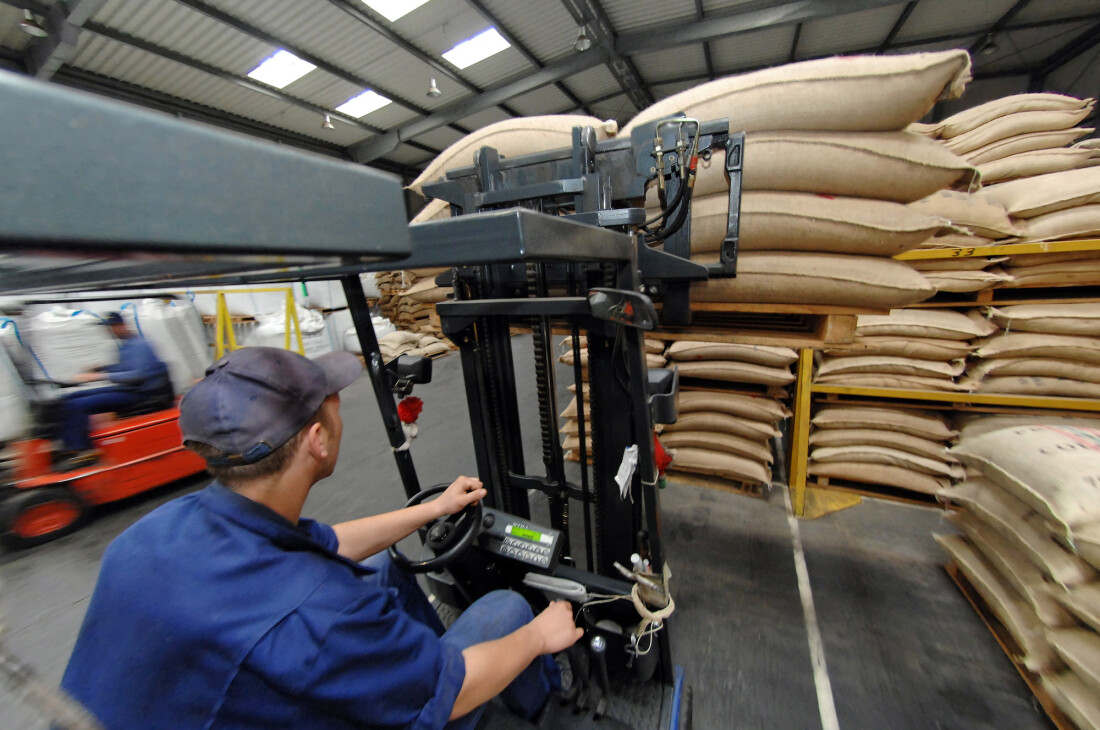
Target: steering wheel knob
x,y
439,532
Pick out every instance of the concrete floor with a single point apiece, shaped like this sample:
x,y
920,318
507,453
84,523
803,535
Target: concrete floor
x,y
902,647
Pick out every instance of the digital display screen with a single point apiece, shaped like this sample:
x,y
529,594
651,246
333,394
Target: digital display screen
x,y
524,534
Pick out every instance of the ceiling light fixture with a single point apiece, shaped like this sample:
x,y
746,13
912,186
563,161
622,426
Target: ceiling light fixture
x,y
433,90
583,42
327,124
989,46
32,26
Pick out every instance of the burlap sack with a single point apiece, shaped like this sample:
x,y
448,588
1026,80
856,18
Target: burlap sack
x,y
1032,385
1021,527
925,348
729,466
756,407
1080,221
1088,144
731,371
903,382
1034,196
861,454
1075,698
434,210
1013,125
1086,542
917,445
571,409
896,166
692,350
878,364
955,240
981,216
879,474
976,116
938,323
967,281
789,277
972,425
1014,568
1025,143
1016,615
654,347
1037,366
1036,162
1027,344
1083,601
1080,649
917,423
723,443
1056,319
1055,471
513,137
1038,259
1069,273
806,222
845,93
956,263
713,422
425,290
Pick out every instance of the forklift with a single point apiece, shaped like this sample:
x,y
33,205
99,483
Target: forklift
x,y
553,242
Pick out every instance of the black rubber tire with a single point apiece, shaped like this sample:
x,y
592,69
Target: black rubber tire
x,y
19,502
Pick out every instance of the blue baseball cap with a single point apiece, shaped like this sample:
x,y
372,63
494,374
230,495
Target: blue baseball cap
x,y
254,399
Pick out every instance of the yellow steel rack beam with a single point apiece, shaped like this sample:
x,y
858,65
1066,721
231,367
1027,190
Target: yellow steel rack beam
x,y
1006,249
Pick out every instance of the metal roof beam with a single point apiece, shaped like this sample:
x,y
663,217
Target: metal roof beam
x,y
1081,43
234,22
590,13
905,13
525,51
999,25
706,46
63,23
794,43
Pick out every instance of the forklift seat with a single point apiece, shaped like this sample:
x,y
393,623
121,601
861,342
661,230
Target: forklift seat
x,y
163,399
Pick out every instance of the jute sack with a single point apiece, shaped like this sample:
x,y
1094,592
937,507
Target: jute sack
x,y
859,454
651,360
1080,649
1054,471
972,426
1087,543
976,116
896,166
845,93
1075,698
789,277
731,371
714,422
513,137
1056,319
1025,143
957,263
1016,615
887,419
1035,366
955,240
1014,568
723,443
977,214
917,445
807,222
1032,385
942,324
690,350
1038,259
1036,162
1033,196
889,365
1083,601
756,407
1065,273
1027,344
425,290
571,409
967,281
903,382
1088,144
882,474
434,210
1012,125
1013,521
1076,222
655,347
729,466
925,348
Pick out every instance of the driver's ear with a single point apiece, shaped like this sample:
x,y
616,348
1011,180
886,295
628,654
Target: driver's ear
x,y
315,442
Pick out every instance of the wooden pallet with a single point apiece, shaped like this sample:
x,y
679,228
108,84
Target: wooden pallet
x,y
776,325
878,491
1008,645
707,481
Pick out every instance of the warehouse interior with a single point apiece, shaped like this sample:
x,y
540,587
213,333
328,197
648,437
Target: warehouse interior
x,y
880,507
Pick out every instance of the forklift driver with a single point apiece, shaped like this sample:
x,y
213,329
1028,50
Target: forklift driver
x,y
139,377
225,608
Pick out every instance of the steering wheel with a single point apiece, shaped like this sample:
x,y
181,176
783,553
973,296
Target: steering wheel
x,y
449,536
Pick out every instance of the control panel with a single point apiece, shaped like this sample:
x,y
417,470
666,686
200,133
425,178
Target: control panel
x,y
511,537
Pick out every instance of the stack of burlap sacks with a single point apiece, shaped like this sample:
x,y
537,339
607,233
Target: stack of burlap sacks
x,y
408,299
1035,188
1030,518
401,342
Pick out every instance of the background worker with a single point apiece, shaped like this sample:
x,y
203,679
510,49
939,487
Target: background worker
x,y
139,376
225,608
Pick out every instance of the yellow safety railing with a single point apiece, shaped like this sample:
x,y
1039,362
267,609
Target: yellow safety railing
x,y
226,341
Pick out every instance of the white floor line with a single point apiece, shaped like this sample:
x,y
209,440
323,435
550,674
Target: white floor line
x,y
825,705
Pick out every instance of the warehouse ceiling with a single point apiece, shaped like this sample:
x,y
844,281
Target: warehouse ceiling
x,y
193,58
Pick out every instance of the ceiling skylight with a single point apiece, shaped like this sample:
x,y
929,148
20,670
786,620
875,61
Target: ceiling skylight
x,y
362,105
478,48
391,10
281,69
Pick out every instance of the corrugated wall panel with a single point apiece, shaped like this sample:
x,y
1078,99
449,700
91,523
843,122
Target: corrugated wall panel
x,y
671,63
593,83
1056,9
628,15
547,100
441,138
1020,49
748,50
546,28
842,33
934,17
483,119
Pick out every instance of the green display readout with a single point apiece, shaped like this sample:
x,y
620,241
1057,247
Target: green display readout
x,y
524,534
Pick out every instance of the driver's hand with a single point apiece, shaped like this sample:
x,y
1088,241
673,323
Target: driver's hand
x,y
556,628
463,491
88,377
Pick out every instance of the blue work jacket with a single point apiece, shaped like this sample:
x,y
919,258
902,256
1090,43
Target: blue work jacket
x,y
138,368
215,612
